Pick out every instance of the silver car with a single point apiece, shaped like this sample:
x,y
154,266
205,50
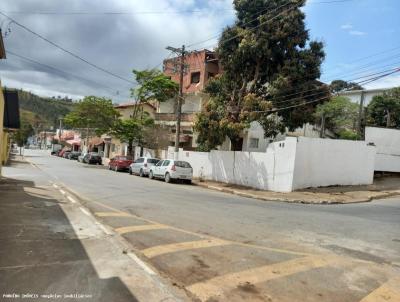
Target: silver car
x,y
170,170
142,166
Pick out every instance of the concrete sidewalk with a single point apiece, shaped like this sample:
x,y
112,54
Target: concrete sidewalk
x,y
52,249
383,187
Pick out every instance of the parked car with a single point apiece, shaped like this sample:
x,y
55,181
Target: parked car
x,y
61,152
66,154
142,166
74,155
170,170
120,163
92,158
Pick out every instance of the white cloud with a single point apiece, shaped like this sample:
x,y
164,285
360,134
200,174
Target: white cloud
x,y
118,43
357,33
389,82
346,26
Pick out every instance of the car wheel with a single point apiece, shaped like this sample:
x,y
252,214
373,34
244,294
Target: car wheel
x,y
167,178
116,169
130,171
141,173
151,176
188,181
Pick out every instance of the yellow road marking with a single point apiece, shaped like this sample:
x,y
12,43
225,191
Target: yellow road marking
x,y
182,246
205,236
139,228
112,214
218,285
388,292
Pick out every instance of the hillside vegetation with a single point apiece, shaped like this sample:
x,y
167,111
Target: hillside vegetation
x,y
42,112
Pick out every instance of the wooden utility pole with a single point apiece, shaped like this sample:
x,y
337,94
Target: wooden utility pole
x,y
360,113
182,53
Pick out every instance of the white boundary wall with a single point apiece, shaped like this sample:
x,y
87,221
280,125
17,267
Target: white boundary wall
x,y
325,162
288,165
387,142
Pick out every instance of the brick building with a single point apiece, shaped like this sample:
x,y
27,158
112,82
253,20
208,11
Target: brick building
x,y
200,66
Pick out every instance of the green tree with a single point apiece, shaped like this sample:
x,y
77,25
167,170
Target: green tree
x,y
153,85
263,60
93,113
132,130
384,110
23,133
340,115
340,85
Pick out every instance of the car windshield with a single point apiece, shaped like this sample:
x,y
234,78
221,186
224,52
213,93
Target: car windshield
x,y
182,164
153,160
125,158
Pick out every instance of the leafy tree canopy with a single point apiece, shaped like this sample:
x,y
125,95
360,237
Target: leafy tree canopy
x,y
94,113
23,133
339,113
269,64
131,130
153,85
384,110
340,85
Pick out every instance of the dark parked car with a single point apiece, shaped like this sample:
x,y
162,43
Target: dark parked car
x,y
120,163
74,155
92,158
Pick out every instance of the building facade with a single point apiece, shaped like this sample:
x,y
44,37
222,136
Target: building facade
x,y
356,95
200,67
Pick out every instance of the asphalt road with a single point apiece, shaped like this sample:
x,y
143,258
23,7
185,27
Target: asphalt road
x,y
224,247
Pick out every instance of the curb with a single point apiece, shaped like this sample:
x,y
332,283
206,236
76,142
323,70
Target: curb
x,y
288,200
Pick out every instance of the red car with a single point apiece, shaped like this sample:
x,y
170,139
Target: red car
x,y
120,163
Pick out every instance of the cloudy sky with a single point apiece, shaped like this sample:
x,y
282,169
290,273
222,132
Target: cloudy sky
x,y
361,37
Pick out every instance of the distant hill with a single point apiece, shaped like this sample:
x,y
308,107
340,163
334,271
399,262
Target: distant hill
x,y
40,111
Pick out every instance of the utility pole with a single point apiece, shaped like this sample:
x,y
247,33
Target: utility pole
x,y
182,53
322,130
360,113
388,121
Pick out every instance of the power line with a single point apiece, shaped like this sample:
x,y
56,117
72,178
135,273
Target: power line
x,y
67,51
59,70
251,21
263,10
320,99
77,13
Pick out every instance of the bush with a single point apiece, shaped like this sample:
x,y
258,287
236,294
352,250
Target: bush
x,y
349,135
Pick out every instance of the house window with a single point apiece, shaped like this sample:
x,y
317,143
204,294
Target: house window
x,y
195,77
254,143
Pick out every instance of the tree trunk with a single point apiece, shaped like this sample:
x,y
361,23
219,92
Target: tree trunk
x,y
130,148
236,144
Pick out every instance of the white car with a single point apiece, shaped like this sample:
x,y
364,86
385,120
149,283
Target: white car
x,y
142,166
169,170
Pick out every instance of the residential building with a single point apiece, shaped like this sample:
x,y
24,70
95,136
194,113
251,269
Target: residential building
x,y
200,66
355,95
110,146
9,114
